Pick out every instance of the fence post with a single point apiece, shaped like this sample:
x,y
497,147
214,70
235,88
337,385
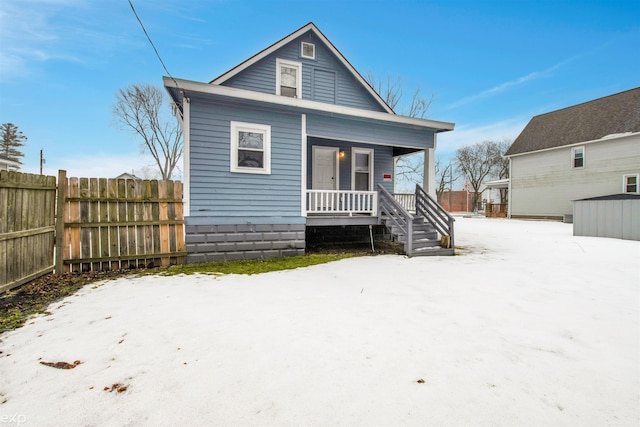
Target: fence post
x,y
60,202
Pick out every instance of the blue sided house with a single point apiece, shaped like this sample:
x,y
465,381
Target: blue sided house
x,y
295,139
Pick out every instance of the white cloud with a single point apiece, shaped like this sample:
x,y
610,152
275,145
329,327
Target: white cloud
x,y
504,86
449,142
535,75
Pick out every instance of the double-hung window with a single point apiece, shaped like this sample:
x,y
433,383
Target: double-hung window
x,y
630,183
288,78
577,157
250,148
362,169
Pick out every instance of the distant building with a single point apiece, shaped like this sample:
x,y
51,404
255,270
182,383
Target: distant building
x,y
587,150
127,176
5,164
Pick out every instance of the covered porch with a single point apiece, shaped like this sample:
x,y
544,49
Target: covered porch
x,y
342,180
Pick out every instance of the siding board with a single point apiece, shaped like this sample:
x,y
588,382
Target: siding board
x,y
214,189
369,131
544,184
261,76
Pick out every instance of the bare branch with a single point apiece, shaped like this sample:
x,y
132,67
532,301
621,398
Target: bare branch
x,y
139,108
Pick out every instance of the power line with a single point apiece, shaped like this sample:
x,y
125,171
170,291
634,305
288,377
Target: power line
x,y
151,42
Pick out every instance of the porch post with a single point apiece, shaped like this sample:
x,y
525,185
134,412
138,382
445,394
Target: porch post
x,y
429,178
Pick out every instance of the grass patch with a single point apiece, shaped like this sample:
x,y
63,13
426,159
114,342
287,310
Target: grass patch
x,y
257,266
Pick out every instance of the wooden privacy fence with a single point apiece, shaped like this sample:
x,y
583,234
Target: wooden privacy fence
x,y
111,224
99,224
27,219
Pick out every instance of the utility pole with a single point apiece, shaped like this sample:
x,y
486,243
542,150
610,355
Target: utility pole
x,y
42,162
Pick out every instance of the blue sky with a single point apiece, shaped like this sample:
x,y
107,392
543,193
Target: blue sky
x,y
491,65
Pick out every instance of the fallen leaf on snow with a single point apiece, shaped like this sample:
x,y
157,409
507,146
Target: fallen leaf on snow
x,y
62,365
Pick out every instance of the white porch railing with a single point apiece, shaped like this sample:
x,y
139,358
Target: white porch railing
x,y
407,200
337,202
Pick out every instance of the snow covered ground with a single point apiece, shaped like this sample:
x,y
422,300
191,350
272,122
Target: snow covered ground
x,y
528,326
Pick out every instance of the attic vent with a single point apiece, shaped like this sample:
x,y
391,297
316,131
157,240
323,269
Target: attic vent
x,y
308,50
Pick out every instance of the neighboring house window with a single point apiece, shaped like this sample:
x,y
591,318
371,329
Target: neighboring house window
x,y
250,148
630,183
288,78
362,169
308,50
577,156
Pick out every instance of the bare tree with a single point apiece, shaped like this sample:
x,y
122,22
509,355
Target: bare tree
x,y
477,162
444,178
143,109
503,166
409,167
391,90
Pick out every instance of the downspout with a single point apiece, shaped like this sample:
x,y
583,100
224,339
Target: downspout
x,y
186,150
303,162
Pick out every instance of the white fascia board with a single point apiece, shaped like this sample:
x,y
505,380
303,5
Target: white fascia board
x,y
577,144
310,26
187,85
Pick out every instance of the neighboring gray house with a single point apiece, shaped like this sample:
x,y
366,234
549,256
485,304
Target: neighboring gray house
x,y
587,150
291,138
127,175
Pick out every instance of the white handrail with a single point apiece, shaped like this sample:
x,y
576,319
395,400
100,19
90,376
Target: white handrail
x,y
407,200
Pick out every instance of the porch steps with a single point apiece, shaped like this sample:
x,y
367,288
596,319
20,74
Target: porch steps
x,y
425,239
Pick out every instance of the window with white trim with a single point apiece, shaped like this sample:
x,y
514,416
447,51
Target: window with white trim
x,y
288,78
577,157
250,148
361,169
630,183
308,50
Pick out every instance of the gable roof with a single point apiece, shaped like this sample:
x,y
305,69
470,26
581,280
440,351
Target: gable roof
x,y
612,115
277,45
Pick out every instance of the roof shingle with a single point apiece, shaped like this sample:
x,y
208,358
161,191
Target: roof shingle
x,y
613,114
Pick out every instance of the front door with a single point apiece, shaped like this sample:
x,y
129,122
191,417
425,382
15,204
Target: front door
x,y
324,170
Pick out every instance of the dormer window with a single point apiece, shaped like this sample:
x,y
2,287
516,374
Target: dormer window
x,y
288,78
308,50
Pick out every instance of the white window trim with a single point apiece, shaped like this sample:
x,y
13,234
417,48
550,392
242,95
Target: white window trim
x,y
368,151
236,127
302,55
573,157
292,64
624,183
